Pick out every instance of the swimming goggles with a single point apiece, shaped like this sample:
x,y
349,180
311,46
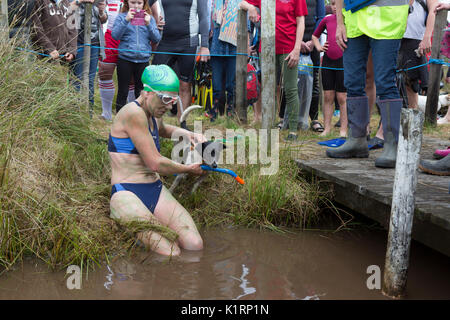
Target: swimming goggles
x,y
165,98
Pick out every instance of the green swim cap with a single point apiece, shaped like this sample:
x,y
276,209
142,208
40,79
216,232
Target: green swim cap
x,y
160,78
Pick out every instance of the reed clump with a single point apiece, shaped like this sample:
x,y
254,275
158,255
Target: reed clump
x,y
54,170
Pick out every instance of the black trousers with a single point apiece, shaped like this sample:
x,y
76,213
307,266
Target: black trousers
x,y
126,69
314,107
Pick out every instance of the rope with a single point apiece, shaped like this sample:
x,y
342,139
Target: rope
x,y
431,61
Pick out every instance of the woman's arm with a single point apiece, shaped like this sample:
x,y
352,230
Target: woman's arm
x,y
425,44
251,9
294,56
137,128
153,32
120,26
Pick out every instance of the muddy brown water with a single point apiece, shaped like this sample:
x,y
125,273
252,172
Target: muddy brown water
x,y
243,264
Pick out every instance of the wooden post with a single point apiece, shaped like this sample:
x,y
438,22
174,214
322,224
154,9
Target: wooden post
x,y
403,201
268,74
435,69
4,24
87,54
241,67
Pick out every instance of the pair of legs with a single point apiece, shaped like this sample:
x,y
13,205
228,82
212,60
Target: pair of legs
x,y
126,206
288,78
107,88
127,70
315,97
185,67
223,67
77,66
333,87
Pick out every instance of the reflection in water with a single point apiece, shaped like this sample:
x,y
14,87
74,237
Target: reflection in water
x,y
108,283
243,285
314,297
243,265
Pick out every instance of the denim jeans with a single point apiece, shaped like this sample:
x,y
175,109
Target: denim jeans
x,y
223,66
384,53
77,66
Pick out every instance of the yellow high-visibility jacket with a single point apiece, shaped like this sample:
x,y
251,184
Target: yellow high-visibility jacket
x,y
383,19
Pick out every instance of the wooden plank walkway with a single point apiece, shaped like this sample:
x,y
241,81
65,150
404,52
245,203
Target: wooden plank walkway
x,y
360,186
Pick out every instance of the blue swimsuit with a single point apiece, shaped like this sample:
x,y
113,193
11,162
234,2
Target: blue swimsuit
x,y
148,193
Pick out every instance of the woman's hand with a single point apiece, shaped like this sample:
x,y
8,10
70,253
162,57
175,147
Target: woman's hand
x,y
147,18
195,169
442,6
69,57
323,48
130,15
204,54
293,58
425,46
161,23
341,36
54,54
253,15
197,138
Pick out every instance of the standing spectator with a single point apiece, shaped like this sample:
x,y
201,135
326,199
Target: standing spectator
x,y
414,46
107,65
290,25
315,97
379,28
316,12
224,40
134,47
185,22
51,33
99,17
332,80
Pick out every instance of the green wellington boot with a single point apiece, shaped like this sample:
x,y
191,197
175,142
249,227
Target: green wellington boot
x,y
356,144
390,118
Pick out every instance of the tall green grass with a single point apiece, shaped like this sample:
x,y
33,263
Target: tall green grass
x,y
54,171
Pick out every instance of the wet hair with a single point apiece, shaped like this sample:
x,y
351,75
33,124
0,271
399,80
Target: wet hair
x,y
126,7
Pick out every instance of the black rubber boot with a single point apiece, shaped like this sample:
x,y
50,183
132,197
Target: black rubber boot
x,y
439,168
356,144
390,118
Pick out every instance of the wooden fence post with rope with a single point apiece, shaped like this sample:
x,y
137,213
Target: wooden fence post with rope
x,y
87,55
435,69
268,74
241,67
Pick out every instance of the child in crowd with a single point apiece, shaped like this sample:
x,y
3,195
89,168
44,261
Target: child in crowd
x,y
107,65
134,47
332,80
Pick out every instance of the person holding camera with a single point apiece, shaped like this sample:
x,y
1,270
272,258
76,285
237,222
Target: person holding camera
x,y
135,28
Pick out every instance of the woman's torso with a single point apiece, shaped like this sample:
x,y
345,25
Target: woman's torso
x,y
126,165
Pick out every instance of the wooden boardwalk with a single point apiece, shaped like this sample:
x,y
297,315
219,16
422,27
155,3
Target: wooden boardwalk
x,y
360,186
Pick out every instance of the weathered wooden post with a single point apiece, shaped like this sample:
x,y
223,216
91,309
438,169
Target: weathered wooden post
x,y
435,69
87,54
4,25
241,67
403,202
268,74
